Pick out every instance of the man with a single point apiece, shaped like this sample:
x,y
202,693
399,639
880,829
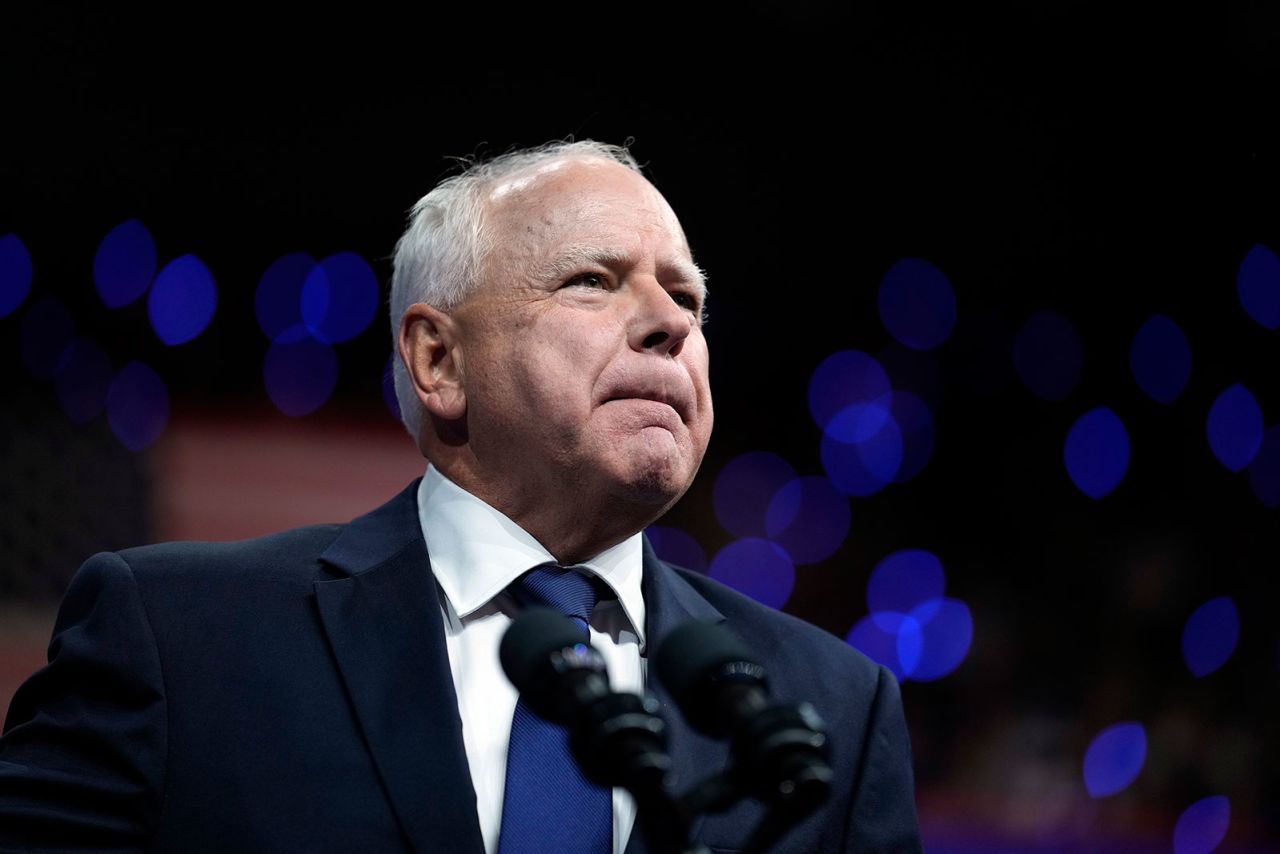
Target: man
x,y
337,688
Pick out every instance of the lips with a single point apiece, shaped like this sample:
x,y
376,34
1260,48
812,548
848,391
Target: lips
x,y
679,399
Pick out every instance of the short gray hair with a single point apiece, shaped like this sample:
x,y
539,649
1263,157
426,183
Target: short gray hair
x,y
437,259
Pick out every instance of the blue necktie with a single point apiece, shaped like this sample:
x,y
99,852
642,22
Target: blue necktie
x,y
548,805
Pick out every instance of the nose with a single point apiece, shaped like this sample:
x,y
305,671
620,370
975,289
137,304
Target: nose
x,y
658,325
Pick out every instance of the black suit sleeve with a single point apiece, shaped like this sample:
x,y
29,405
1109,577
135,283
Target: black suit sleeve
x,y
83,750
883,814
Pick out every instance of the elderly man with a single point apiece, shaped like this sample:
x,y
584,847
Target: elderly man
x,y
337,688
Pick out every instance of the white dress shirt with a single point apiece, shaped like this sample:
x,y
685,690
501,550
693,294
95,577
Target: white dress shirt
x,y
476,552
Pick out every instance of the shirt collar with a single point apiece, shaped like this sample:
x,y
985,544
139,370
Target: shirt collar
x,y
476,551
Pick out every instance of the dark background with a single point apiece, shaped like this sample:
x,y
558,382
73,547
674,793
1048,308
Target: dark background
x,y
1105,166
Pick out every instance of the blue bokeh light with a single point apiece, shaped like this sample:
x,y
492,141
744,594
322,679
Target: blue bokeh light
x,y
904,580
917,304
300,373
124,264
1264,471
1210,635
1160,359
1235,427
82,380
866,467
809,518
137,406
277,303
1258,285
1096,452
859,422
339,297
1047,355
15,274
843,381
880,636
1202,826
757,568
915,422
1115,758
44,335
676,546
744,488
182,301
942,642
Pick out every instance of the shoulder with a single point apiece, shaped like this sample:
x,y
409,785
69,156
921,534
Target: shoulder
x,y
285,552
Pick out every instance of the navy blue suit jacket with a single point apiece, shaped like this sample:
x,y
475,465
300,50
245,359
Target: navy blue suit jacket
x,y
293,693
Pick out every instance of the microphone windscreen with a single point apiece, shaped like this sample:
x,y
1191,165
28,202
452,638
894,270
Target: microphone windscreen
x,y
529,643
691,654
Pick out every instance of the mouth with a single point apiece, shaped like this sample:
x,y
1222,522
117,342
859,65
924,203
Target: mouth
x,y
679,403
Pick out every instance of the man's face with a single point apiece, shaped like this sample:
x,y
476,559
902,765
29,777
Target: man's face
x,y
582,355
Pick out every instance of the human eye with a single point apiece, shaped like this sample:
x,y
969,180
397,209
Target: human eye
x,y
594,281
690,302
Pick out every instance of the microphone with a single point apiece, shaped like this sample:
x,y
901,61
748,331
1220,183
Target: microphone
x,y
617,738
780,751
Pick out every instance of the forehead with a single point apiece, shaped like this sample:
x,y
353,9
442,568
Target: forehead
x,y
576,200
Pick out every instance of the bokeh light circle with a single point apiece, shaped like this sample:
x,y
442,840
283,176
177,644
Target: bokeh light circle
x,y
917,304
182,300
300,373
880,636
45,333
904,580
744,488
809,518
866,467
1160,359
339,297
82,380
1210,635
1264,470
124,264
1234,427
756,568
1096,452
137,406
15,274
942,642
1115,758
846,379
1258,286
1202,826
1047,355
677,546
277,302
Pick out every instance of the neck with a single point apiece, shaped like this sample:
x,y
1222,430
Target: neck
x,y
572,531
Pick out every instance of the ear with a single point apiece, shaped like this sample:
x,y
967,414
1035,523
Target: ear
x,y
430,348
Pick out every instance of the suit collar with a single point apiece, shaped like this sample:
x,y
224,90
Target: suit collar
x,y
401,686
382,617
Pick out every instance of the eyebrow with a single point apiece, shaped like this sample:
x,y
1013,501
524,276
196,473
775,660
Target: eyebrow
x,y
681,270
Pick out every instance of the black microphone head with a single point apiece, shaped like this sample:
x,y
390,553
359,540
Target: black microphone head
x,y
695,662
540,651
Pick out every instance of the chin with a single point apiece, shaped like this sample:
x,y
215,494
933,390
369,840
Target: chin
x,y
657,483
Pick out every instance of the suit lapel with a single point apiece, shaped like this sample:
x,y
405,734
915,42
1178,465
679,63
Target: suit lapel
x,y
383,620
670,602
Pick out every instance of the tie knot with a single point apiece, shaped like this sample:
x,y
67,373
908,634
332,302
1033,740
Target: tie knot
x,y
564,588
